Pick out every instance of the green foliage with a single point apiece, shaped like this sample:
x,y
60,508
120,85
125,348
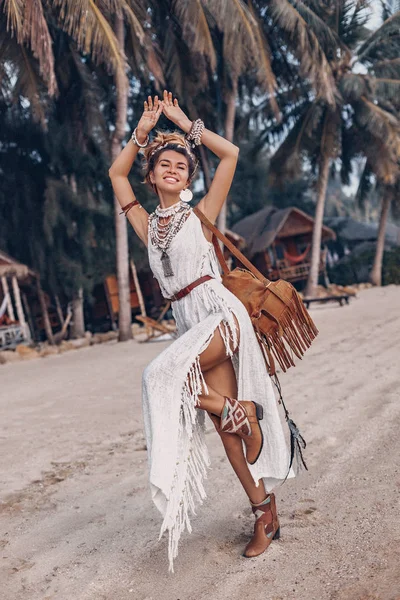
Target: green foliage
x,y
301,56
391,267
363,119
356,267
55,190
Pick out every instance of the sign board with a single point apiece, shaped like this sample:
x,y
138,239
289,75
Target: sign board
x,y
11,336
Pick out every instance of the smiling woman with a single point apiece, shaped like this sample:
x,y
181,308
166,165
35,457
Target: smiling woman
x,y
167,160
215,366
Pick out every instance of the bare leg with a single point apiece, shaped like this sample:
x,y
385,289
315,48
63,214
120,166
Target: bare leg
x,y
214,355
220,377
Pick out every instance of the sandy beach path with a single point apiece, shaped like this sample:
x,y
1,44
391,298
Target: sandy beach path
x,y
76,520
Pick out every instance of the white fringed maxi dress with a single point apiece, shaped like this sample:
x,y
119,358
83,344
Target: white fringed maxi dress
x,y
174,428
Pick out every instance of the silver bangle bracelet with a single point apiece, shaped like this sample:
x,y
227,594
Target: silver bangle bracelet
x,y
135,140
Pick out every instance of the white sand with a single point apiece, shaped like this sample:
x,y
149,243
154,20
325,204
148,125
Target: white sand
x,y
76,520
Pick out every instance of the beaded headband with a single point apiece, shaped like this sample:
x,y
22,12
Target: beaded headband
x,y
184,146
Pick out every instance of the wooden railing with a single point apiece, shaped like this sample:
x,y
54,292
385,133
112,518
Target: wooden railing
x,y
294,273
297,272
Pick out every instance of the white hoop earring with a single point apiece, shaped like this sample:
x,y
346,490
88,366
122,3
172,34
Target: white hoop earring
x,y
186,195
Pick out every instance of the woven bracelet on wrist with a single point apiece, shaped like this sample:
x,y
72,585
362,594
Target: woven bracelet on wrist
x,y
128,207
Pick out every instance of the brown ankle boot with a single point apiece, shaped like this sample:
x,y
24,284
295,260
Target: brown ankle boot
x,y
266,527
243,419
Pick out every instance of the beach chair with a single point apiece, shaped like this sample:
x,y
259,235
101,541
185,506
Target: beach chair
x,y
154,327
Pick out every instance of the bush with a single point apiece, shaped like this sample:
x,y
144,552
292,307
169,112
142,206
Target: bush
x,y
391,267
356,268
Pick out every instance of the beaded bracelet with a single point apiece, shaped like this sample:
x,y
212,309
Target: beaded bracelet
x,y
128,207
136,141
195,133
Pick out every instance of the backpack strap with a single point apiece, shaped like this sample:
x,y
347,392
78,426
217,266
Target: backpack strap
x,y
241,257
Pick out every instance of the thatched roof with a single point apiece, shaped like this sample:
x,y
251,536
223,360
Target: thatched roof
x,y
10,266
351,230
235,238
262,227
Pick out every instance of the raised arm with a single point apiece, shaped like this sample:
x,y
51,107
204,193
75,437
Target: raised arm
x,y
119,170
227,152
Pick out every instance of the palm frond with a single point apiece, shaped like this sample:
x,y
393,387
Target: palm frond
x,y
87,98
264,74
365,186
174,70
21,81
287,160
386,68
331,138
380,124
243,45
382,34
306,47
316,19
30,85
134,24
353,86
14,11
86,24
354,18
381,161
155,64
26,21
389,8
141,47
36,33
387,89
195,28
286,163
135,14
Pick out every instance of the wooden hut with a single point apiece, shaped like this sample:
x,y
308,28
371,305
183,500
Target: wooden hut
x,y
14,309
278,242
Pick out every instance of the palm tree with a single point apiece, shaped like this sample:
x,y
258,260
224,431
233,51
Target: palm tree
x,y
388,69
27,44
235,38
121,230
361,116
111,36
28,47
61,216
387,198
26,54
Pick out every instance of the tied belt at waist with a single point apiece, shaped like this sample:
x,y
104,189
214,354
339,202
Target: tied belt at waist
x,y
186,290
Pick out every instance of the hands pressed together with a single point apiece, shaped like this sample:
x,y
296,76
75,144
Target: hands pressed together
x,y
153,109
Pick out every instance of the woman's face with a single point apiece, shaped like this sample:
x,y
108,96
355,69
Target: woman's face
x,y
171,172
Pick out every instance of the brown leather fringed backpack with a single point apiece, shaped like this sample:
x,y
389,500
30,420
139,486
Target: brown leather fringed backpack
x,y
283,327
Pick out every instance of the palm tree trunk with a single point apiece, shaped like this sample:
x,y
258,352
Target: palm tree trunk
x,y
229,133
205,166
323,177
121,230
78,320
44,311
376,272
138,288
59,309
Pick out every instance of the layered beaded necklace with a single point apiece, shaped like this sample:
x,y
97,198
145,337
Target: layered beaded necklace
x,y
162,234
